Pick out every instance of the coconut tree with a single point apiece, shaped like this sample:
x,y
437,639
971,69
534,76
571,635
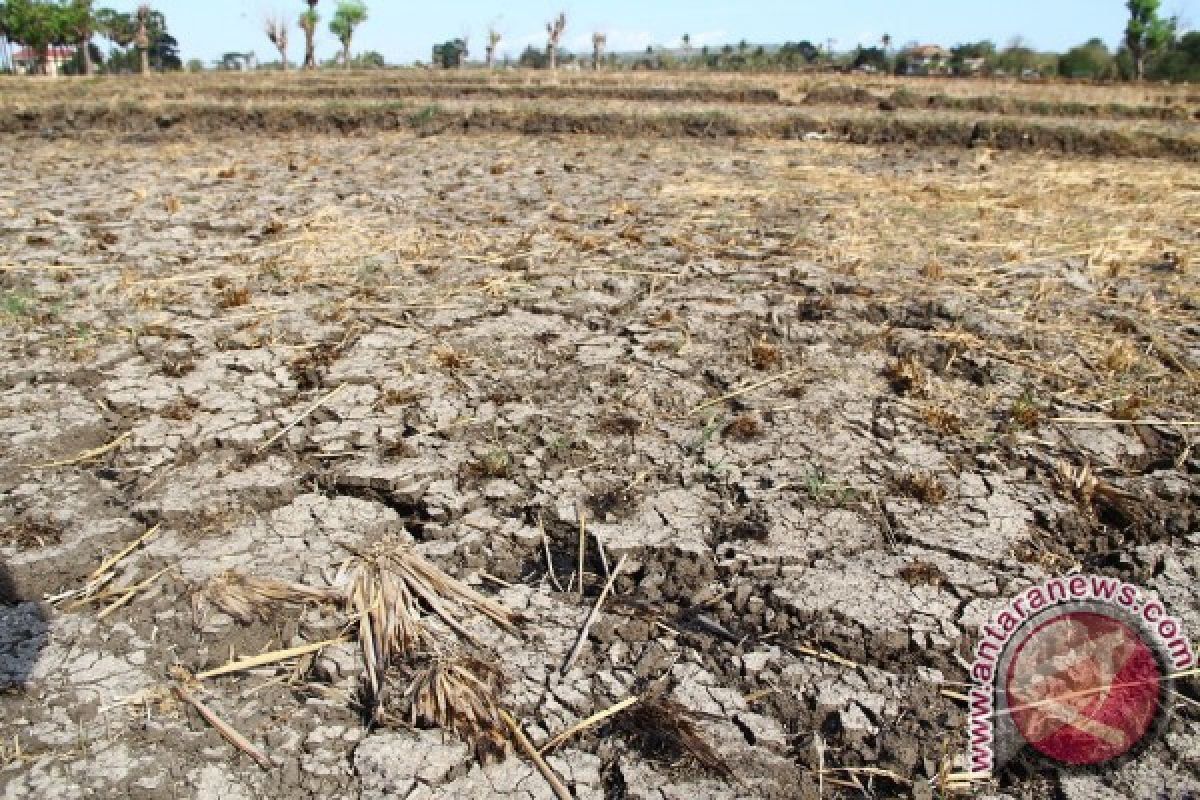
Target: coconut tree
x,y
348,16
493,39
308,23
277,32
554,31
141,38
599,40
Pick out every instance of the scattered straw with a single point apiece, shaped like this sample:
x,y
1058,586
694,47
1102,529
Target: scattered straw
x,y
591,617
131,592
825,655
388,587
283,432
582,546
1106,422
224,728
274,657
560,791
549,560
745,390
86,455
247,597
581,726
460,695
116,558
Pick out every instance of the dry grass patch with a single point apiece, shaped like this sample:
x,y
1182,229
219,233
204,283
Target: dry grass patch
x,y
764,355
906,375
921,486
665,731
460,695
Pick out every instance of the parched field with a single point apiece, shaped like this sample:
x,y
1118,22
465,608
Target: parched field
x,y
331,407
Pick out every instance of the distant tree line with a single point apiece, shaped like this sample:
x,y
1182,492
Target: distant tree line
x,y
1152,48
140,40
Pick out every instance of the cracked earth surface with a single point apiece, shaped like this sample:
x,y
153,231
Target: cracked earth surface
x,y
505,335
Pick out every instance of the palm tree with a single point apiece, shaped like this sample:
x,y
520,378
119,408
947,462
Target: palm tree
x,y
277,32
599,40
141,38
348,16
554,30
886,40
308,24
493,39
687,47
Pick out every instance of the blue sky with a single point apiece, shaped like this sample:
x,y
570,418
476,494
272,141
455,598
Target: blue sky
x,y
405,31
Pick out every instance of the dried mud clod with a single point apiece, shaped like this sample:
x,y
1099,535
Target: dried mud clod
x,y
618,423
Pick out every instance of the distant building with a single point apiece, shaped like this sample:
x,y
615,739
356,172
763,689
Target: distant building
x,y
238,62
928,59
973,66
27,60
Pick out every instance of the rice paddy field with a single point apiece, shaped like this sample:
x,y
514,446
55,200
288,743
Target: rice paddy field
x,y
594,435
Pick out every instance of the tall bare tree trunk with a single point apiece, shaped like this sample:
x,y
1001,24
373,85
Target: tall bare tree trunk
x,y
310,49
554,31
493,39
142,38
89,68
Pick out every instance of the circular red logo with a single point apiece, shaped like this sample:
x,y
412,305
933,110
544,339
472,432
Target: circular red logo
x,y
1083,687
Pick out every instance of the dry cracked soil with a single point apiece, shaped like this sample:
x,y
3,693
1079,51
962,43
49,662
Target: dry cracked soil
x,y
816,399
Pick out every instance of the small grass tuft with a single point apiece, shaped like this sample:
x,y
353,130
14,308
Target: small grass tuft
x,y
1121,357
922,486
1025,411
449,358
923,573
906,375
232,297
745,426
941,420
764,355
